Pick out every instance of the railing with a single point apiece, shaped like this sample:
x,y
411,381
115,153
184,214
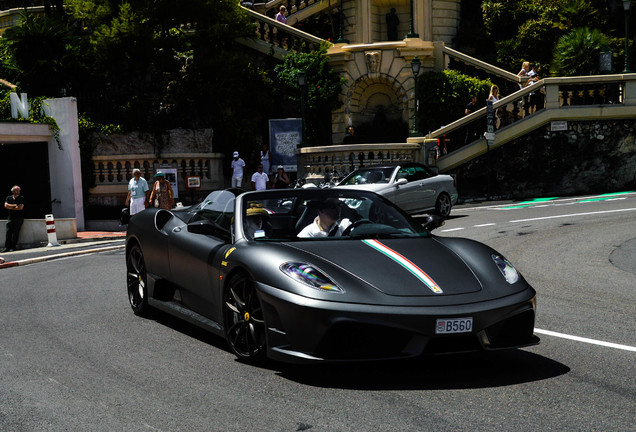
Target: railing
x,y
12,18
321,161
113,172
281,36
559,94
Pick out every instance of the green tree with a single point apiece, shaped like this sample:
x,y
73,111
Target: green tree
x,y
444,95
577,52
530,30
322,93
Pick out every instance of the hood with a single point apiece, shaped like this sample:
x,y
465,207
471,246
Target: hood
x,y
398,267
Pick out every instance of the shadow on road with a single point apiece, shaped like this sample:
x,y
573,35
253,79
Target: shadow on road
x,y
443,372
459,371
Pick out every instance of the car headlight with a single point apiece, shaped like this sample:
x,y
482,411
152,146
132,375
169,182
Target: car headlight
x,y
310,276
508,271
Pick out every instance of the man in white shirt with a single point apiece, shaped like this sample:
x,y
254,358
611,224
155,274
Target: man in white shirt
x,y
137,192
237,170
326,223
259,179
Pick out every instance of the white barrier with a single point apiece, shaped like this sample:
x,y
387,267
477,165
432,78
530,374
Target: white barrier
x,y
50,230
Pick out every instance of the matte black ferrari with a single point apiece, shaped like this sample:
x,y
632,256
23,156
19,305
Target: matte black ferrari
x,y
311,275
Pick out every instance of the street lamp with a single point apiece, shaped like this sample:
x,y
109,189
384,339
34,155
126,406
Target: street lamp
x,y
341,19
412,33
302,83
627,4
415,67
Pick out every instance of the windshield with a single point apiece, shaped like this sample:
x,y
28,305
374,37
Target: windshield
x,y
217,207
325,214
369,175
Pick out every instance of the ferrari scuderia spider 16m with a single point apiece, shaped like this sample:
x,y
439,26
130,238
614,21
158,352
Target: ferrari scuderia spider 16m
x,y
310,275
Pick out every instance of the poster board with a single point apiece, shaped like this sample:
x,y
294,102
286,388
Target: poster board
x,y
285,136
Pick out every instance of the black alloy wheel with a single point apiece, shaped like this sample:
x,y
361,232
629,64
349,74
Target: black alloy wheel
x,y
443,205
243,319
137,281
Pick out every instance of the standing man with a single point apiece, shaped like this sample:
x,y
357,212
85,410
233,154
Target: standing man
x,y
237,170
15,206
137,192
259,179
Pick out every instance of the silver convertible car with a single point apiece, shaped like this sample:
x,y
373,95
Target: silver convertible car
x,y
322,275
412,186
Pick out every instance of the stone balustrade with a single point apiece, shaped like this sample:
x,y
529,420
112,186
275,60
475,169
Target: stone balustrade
x,y
317,162
113,172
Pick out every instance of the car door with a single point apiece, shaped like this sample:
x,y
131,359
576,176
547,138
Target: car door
x,y
406,195
427,189
194,256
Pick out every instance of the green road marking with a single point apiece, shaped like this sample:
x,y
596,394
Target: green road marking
x,y
602,197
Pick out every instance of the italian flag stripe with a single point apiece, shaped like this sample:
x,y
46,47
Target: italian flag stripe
x,y
406,263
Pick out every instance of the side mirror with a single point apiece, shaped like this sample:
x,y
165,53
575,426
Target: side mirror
x,y
207,227
401,181
432,222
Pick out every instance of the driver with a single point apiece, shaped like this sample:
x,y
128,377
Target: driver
x,y
327,223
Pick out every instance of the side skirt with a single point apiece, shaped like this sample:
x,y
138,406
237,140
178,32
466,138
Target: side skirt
x,y
186,314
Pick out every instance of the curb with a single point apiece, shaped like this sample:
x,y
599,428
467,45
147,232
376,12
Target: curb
x,y
62,255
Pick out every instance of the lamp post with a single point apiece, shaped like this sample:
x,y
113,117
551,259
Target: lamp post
x,y
415,67
412,33
302,83
341,21
627,4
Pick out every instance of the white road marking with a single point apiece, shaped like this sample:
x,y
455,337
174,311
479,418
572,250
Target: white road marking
x,y
484,225
586,340
453,229
572,215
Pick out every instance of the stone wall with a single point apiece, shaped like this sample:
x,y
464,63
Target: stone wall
x,y
590,157
172,141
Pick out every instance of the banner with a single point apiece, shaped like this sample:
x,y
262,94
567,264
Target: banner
x,y
285,136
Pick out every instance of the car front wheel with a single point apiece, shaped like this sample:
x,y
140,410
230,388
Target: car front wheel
x,y
443,205
243,319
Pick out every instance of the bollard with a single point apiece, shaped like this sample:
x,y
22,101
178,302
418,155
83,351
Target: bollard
x,y
50,230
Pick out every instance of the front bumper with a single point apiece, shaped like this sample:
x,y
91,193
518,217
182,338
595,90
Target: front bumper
x,y
304,330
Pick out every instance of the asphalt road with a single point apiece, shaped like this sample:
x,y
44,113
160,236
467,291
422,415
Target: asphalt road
x,y
74,357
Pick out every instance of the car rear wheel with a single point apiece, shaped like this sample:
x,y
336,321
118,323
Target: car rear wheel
x,y
136,281
243,319
443,205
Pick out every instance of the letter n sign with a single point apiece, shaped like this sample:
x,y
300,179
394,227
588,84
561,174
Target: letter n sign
x,y
19,106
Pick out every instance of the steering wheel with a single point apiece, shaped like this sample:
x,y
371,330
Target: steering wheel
x,y
354,225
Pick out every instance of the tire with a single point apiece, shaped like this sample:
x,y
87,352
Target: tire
x,y
243,319
443,205
136,281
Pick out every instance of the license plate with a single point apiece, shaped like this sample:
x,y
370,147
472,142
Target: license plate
x,y
454,325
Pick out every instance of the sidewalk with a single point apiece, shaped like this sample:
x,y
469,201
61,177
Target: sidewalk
x,y
110,238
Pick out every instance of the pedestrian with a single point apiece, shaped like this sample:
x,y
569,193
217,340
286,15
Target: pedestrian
x,y
525,68
259,179
138,191
535,98
494,97
280,16
281,179
15,209
162,195
471,106
349,137
237,170
265,157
